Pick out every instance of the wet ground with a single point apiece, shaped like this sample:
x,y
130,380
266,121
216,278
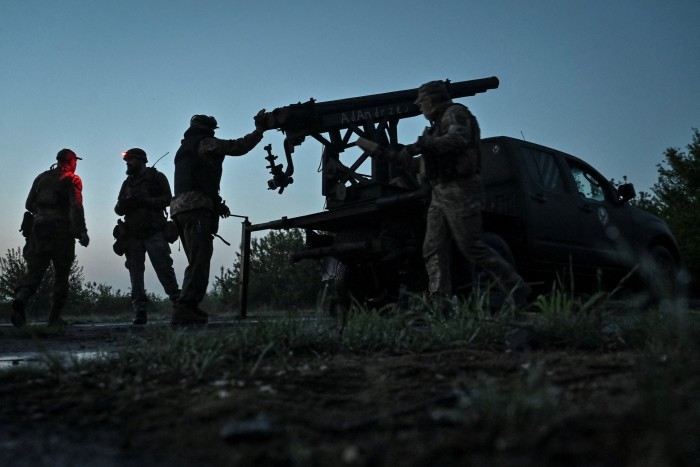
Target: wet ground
x,y
463,406
77,341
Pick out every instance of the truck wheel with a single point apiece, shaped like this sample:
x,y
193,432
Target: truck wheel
x,y
660,273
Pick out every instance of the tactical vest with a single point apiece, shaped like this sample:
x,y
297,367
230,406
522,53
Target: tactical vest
x,y
454,164
144,222
152,186
195,173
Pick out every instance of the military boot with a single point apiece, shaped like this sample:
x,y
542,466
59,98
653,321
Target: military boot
x,y
19,305
201,312
185,314
521,292
140,319
440,305
55,319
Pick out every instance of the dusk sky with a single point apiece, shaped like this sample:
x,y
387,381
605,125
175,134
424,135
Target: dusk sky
x,y
614,82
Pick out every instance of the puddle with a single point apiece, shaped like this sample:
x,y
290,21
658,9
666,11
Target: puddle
x,y
42,360
105,337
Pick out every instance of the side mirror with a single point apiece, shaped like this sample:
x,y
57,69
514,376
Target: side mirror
x,y
626,192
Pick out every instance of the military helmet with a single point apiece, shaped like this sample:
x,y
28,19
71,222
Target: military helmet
x,y
203,121
64,155
435,90
136,153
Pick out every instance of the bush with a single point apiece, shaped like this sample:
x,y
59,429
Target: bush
x,y
274,282
85,299
13,266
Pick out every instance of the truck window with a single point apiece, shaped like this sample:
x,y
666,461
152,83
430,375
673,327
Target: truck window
x,y
589,184
543,170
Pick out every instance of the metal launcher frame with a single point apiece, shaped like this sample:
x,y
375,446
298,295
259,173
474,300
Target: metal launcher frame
x,y
337,124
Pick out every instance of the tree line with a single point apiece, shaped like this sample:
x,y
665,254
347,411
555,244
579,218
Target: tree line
x,y
675,197
275,283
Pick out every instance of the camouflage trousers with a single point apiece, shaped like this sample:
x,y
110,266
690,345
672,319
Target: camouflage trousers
x,y
158,250
455,213
49,245
197,228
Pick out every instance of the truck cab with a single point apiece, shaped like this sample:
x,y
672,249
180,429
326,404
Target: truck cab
x,y
561,219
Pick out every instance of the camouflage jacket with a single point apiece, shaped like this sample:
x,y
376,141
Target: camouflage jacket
x,y
56,198
198,172
449,148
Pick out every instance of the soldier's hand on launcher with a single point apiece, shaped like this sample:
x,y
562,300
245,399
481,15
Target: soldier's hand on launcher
x,y
261,121
223,211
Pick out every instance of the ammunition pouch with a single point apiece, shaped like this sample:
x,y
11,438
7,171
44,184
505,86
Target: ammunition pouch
x,y
27,225
171,232
121,239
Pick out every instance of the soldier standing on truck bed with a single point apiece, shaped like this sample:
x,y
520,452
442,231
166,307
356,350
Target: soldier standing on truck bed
x,y
450,164
197,205
55,218
142,200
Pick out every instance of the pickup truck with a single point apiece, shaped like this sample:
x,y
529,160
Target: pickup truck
x,y
556,218
559,219
552,215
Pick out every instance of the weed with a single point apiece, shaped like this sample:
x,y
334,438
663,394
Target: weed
x,y
518,414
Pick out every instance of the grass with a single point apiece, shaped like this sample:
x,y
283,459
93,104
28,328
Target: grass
x,y
557,320
518,414
665,343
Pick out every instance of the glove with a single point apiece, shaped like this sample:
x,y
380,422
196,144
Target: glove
x,y
422,145
424,140
84,240
223,211
261,121
412,149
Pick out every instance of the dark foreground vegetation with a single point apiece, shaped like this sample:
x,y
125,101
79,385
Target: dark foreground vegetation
x,y
595,382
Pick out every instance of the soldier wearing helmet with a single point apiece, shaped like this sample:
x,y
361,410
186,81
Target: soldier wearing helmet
x,y
197,205
450,163
55,202
143,199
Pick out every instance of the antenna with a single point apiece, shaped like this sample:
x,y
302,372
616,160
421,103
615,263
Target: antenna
x,y
521,134
154,164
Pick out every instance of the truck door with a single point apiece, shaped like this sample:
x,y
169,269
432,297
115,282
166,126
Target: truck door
x,y
599,214
553,209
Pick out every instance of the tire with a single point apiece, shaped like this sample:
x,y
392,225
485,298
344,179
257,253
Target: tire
x,y
659,273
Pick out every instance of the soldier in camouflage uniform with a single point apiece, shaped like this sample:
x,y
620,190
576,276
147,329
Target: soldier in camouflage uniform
x,y
56,202
450,163
143,199
197,205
